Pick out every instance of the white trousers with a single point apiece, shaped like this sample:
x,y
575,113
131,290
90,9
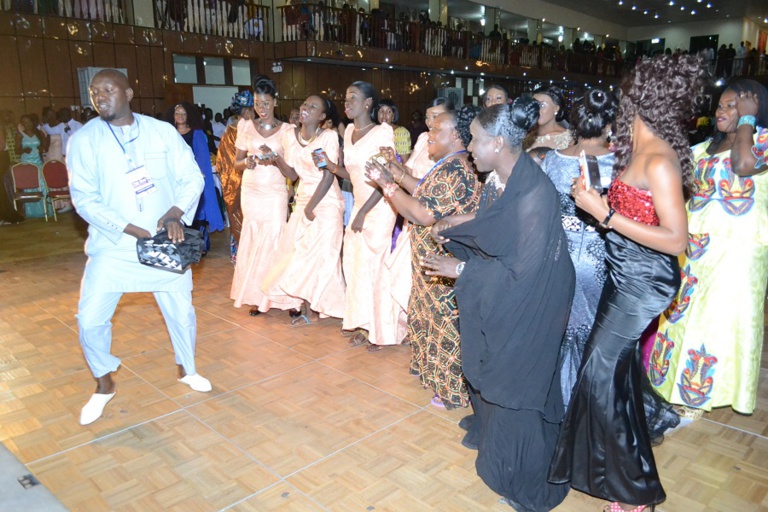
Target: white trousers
x,y
94,321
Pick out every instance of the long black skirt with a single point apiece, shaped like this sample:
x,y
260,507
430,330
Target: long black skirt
x,y
514,447
604,448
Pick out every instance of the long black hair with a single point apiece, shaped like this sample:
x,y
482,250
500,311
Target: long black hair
x,y
194,119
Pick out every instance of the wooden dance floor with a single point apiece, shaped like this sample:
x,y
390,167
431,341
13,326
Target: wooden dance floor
x,y
297,420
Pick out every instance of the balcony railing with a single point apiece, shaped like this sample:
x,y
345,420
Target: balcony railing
x,y
229,18
346,26
246,19
242,19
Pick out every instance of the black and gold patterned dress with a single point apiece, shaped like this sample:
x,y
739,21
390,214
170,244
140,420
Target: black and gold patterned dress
x,y
433,318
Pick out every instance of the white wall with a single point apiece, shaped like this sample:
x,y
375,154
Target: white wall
x,y
752,33
731,31
216,98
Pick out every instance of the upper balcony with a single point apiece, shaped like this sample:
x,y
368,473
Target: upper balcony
x,y
345,36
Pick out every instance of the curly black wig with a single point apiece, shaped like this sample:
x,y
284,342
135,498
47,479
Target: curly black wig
x,y
664,91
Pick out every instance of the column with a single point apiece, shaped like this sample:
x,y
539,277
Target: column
x,y
534,29
139,12
434,9
443,10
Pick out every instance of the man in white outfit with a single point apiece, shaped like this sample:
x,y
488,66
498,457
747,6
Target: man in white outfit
x,y
130,175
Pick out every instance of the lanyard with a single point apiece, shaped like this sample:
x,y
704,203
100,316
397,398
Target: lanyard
x,y
127,156
437,164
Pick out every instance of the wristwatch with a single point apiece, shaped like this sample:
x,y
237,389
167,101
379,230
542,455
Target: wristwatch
x,y
460,268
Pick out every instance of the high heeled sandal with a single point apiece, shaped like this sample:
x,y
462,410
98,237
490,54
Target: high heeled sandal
x,y
616,507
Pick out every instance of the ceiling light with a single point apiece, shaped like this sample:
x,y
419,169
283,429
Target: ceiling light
x,y
482,22
671,2
693,12
386,59
709,6
656,16
543,19
645,12
621,2
634,7
682,7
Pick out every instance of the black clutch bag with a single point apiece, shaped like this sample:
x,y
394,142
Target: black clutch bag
x,y
159,252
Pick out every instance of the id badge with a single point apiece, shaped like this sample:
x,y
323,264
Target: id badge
x,y
141,181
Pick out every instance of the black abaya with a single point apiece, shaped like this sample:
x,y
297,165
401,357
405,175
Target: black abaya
x,y
514,297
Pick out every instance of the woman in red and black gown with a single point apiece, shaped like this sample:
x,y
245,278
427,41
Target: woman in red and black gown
x,y
604,447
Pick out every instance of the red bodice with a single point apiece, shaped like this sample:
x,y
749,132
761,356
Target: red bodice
x,y
632,202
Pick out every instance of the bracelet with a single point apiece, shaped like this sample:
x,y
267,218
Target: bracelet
x,y
750,120
460,268
607,219
389,190
402,175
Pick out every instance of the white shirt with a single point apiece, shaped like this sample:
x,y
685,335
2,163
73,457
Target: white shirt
x,y
218,131
103,195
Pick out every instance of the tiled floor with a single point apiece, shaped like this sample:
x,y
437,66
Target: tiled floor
x,y
297,421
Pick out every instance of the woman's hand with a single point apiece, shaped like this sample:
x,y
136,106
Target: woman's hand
x,y
319,158
388,153
357,223
250,162
309,214
379,174
439,265
439,227
589,200
746,104
269,160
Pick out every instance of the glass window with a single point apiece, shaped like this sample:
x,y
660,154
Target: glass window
x,y
184,69
214,70
241,72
